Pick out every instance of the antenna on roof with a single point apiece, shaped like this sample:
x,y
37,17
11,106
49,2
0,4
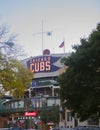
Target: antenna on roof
x,y
49,33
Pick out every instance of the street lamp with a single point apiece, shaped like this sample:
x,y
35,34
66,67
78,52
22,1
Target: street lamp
x,y
29,90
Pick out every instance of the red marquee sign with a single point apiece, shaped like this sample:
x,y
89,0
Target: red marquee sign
x,y
30,113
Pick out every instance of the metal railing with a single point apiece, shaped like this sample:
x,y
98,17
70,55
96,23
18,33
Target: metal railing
x,y
29,104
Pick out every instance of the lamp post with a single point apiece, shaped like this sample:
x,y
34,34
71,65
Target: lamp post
x,y
29,90
60,110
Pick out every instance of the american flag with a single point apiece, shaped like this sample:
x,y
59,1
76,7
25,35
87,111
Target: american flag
x,y
61,45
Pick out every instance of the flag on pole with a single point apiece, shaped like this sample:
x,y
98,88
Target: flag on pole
x,y
49,33
61,45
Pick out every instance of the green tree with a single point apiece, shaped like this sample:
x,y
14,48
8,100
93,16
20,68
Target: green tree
x,y
15,77
80,84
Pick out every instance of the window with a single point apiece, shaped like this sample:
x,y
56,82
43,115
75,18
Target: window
x,y
69,117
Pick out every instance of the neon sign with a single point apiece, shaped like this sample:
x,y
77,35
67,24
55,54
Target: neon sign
x,y
30,113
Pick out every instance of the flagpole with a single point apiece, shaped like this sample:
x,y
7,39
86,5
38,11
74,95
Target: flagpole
x,y
42,37
64,45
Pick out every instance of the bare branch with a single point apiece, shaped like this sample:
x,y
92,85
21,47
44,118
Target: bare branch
x,y
3,30
12,38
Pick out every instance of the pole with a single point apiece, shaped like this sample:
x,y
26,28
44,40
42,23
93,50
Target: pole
x,y
64,45
29,93
42,37
42,34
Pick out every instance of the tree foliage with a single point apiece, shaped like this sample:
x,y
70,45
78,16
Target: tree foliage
x,y
80,84
15,77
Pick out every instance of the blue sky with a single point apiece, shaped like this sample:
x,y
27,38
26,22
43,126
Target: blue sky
x,y
69,19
